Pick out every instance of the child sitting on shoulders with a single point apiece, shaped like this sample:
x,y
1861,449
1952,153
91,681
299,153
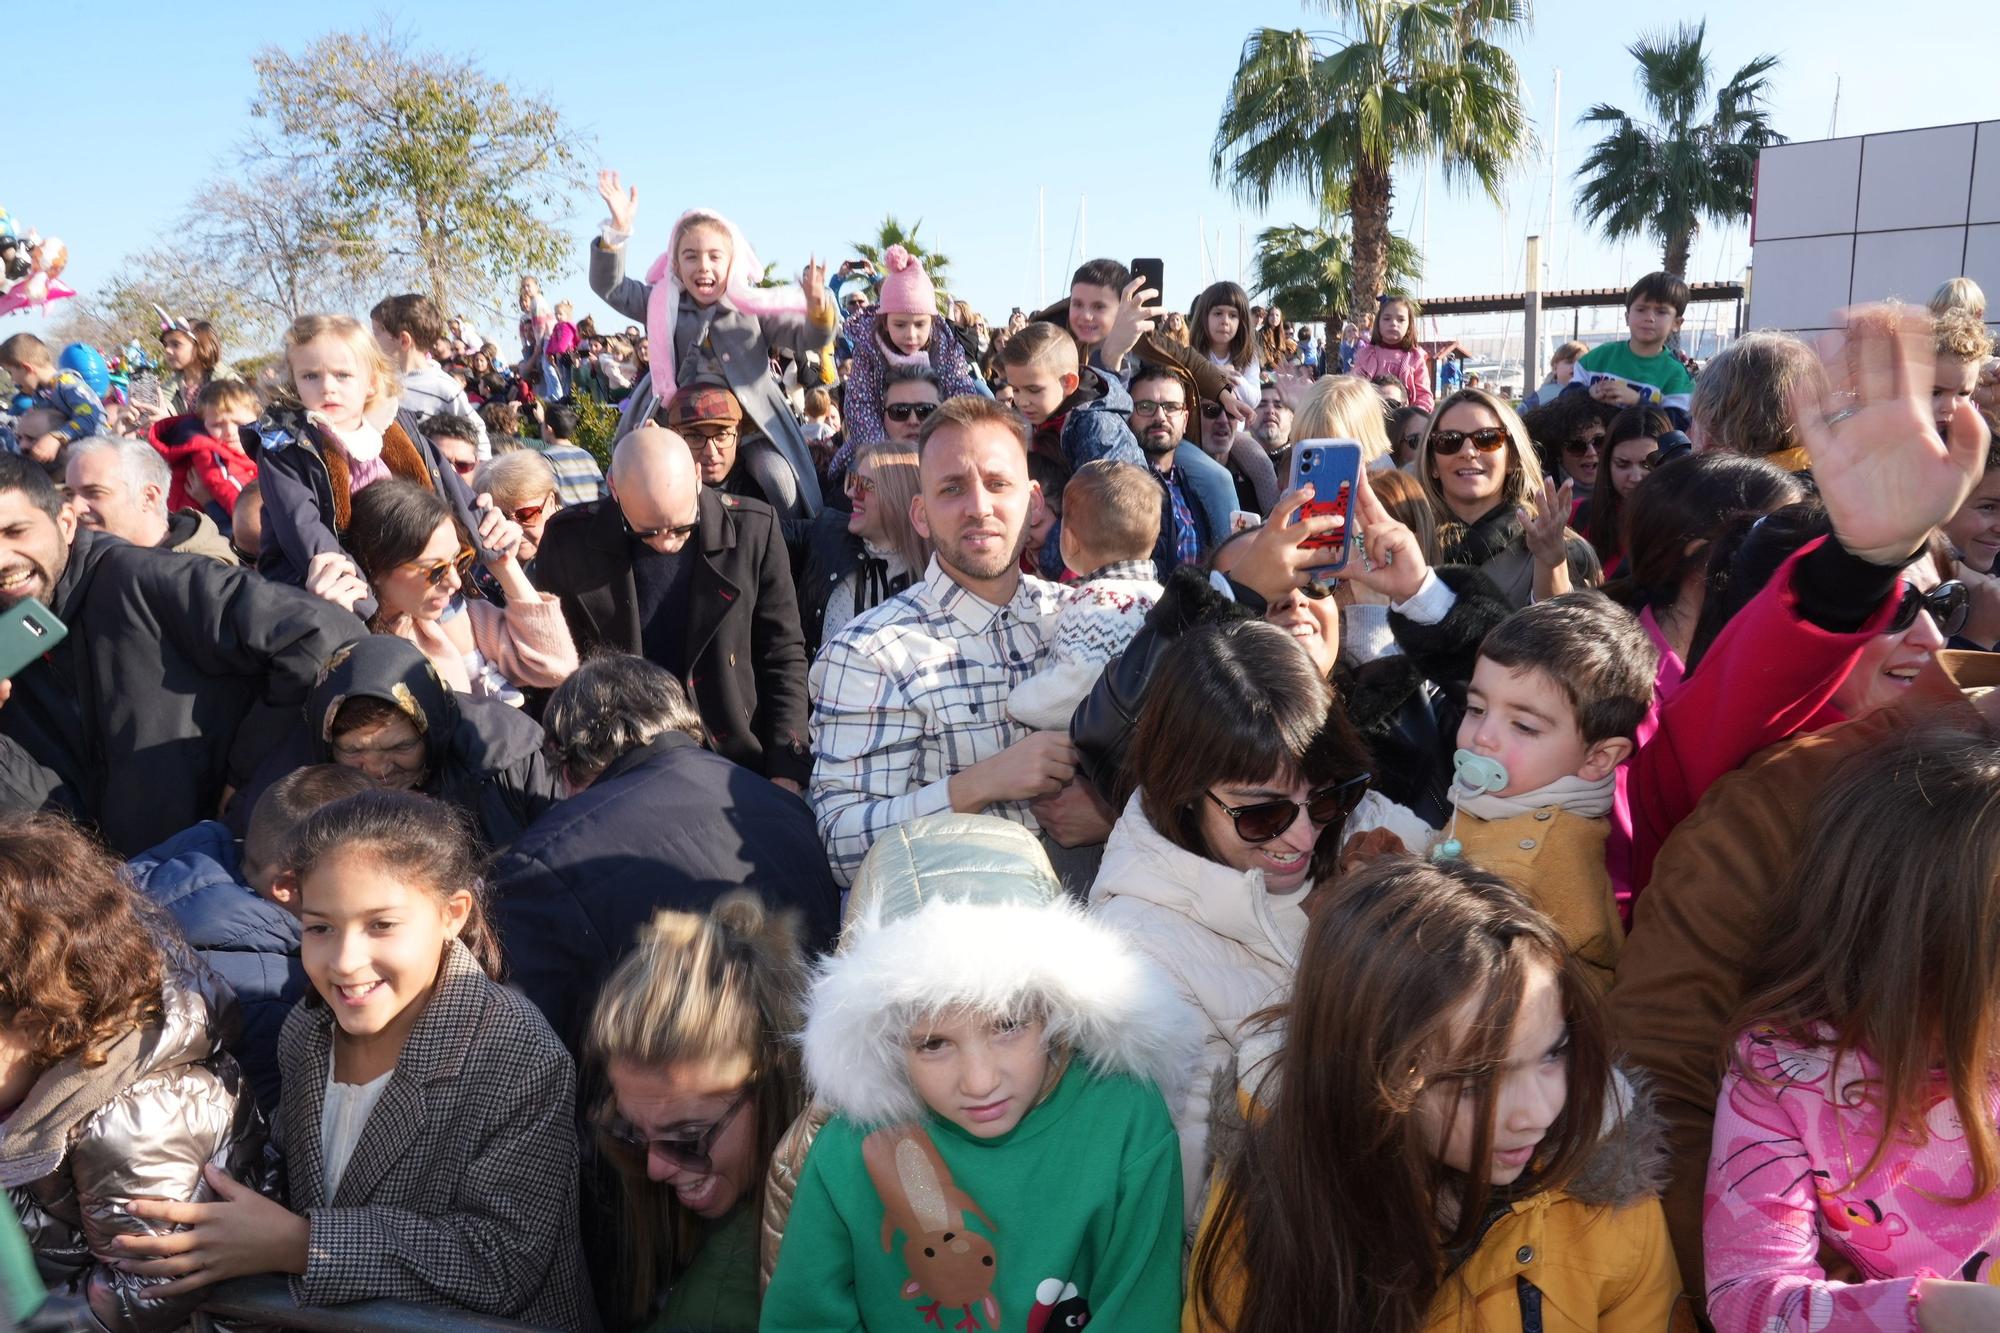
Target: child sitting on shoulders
x,y
1395,352
1653,310
902,329
1113,522
1556,695
1000,1153
204,450
708,323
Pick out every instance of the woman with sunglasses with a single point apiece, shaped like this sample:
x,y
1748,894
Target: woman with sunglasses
x,y
418,563
859,558
1479,471
524,487
1815,615
694,1037
1247,777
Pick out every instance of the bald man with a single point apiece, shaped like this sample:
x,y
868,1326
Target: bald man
x,y
697,581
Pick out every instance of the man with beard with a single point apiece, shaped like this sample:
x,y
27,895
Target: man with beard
x,y
1271,423
177,678
1159,418
909,700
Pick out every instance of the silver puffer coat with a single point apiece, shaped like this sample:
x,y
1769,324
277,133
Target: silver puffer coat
x,y
87,1141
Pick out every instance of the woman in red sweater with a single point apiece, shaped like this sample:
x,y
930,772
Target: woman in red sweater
x,y
1848,618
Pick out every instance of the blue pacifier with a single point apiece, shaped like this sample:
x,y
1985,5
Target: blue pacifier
x,y
1478,774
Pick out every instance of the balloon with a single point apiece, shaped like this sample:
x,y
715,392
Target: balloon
x,y
88,362
23,403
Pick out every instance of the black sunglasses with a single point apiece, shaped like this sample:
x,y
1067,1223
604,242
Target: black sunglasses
x,y
1210,411
681,531
901,412
691,1154
1267,819
1949,605
1581,446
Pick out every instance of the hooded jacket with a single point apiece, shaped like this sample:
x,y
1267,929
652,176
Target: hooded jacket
x,y
1078,1200
221,466
248,941
481,756
1592,1255
178,679
166,1101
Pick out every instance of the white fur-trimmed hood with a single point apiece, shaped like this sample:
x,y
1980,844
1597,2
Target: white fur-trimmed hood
x,y
1102,997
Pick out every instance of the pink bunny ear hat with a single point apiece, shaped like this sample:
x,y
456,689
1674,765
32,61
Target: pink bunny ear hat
x,y
739,292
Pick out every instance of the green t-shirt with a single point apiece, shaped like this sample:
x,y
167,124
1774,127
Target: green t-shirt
x,y
1076,1208
1664,372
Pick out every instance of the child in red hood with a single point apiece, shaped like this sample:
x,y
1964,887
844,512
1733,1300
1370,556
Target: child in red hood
x,y
203,449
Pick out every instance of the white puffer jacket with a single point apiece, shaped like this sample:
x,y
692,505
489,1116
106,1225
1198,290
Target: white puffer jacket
x,y
1229,944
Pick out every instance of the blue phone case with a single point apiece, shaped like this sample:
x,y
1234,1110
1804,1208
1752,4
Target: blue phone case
x,y
27,630
1328,465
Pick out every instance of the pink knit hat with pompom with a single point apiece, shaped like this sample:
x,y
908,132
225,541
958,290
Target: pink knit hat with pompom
x,y
906,288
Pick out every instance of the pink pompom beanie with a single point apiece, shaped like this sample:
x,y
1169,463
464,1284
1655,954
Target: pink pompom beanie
x,y
906,288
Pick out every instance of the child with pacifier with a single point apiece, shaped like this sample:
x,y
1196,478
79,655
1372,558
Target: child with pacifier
x,y
1556,695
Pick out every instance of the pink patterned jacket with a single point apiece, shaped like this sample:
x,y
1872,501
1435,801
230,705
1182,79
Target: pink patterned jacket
x,y
1781,1182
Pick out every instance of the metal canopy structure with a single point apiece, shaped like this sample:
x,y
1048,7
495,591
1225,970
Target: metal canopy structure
x,y
1575,298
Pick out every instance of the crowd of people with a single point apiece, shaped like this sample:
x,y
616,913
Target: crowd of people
x,y
919,839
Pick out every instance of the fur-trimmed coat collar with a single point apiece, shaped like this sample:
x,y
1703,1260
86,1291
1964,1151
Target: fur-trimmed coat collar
x,y
1099,996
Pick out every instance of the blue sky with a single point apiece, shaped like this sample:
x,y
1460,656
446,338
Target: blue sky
x,y
807,122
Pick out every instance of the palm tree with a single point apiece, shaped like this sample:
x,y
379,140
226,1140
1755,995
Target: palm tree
x,y
891,232
1663,177
1408,81
1308,270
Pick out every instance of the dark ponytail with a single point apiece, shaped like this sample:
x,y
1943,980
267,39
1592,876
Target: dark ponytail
x,y
427,842
1743,557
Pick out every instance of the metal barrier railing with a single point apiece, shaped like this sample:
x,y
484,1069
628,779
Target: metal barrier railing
x,y
268,1300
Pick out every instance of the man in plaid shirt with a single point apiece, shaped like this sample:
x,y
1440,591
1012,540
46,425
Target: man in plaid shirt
x,y
909,700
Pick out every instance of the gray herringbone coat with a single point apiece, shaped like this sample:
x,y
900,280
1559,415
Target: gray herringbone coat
x,y
462,1189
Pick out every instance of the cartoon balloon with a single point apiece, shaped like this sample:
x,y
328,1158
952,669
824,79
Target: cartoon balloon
x,y
23,403
88,362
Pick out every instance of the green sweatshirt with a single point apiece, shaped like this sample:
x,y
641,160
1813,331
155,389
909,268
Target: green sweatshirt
x,y
1077,1208
1662,370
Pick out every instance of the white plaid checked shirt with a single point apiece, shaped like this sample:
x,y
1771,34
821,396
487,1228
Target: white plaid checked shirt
x,y
912,692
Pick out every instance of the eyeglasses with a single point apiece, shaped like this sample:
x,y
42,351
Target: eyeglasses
x,y
1211,411
1267,819
691,1154
434,574
465,467
858,486
901,412
679,532
529,513
1445,443
1949,605
1154,407
1581,446
703,439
